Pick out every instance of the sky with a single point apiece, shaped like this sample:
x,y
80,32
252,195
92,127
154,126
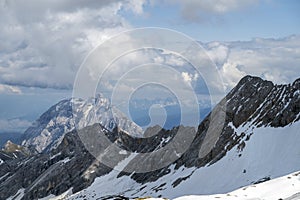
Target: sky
x,y
44,43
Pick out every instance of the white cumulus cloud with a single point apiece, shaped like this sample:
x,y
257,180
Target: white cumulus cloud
x,y
44,42
276,60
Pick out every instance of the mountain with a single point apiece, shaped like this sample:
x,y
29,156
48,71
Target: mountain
x,y
258,140
48,131
251,136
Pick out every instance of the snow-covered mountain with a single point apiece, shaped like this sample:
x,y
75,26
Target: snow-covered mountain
x,y
259,141
251,136
47,132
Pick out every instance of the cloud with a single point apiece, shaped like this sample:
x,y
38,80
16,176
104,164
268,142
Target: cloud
x,y
188,78
44,47
194,10
217,52
44,43
276,60
8,89
273,59
14,125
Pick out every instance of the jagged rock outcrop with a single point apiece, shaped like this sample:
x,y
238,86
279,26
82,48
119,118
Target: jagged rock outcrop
x,y
53,173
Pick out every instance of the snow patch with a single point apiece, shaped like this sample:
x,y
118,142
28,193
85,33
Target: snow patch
x,y
54,156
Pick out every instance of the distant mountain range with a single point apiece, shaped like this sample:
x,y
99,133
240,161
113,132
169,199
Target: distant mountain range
x,y
250,136
139,110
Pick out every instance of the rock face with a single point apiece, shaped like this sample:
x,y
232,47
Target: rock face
x,y
252,104
48,131
51,173
254,101
68,165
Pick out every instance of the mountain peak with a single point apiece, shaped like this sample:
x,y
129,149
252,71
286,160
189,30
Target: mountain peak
x,y
75,113
268,103
253,81
296,83
250,78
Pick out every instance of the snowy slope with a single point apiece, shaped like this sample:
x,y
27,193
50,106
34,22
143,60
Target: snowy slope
x,y
263,156
49,129
270,152
286,187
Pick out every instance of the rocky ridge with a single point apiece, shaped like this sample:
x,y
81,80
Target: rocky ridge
x,y
253,103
